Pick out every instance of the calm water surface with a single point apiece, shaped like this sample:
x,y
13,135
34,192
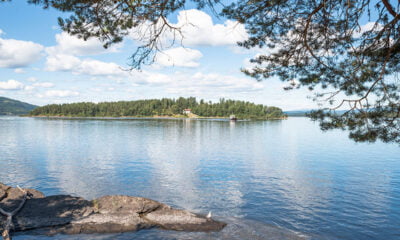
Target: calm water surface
x,y
262,177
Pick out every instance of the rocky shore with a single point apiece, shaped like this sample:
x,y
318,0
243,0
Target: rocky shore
x,y
109,214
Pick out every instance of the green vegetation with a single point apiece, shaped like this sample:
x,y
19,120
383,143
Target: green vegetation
x,y
161,107
13,107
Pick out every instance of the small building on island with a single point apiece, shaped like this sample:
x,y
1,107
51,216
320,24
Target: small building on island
x,y
187,111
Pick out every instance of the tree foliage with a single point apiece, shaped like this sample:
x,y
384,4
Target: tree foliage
x,y
346,51
324,46
161,107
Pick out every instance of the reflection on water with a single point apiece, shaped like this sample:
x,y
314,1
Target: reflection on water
x,y
254,174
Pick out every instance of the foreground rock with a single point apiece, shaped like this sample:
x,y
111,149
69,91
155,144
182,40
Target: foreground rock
x,y
108,214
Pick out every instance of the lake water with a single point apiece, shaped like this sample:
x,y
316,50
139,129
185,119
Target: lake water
x,y
265,178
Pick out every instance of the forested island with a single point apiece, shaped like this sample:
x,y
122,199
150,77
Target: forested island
x,y
162,108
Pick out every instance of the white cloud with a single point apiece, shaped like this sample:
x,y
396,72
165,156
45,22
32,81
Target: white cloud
x,y
71,45
11,85
44,84
68,63
29,88
154,78
199,84
1,32
180,57
61,62
16,53
31,79
367,27
59,93
19,70
95,67
225,83
198,29
63,57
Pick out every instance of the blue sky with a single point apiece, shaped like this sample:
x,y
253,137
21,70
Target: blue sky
x,y
40,64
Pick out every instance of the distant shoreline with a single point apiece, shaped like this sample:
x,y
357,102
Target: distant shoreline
x,y
147,117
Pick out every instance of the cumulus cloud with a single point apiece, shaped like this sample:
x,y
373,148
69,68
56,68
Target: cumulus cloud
x,y
180,57
61,62
44,84
17,54
198,29
19,70
11,85
226,83
199,84
367,27
59,93
29,88
65,57
153,78
16,85
68,63
71,45
31,79
95,67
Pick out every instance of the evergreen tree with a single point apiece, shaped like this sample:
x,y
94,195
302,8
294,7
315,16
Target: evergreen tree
x,y
162,107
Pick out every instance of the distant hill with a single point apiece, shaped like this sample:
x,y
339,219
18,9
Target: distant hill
x,y
13,107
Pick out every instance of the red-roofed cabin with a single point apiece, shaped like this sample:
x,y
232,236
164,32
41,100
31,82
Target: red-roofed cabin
x,y
187,111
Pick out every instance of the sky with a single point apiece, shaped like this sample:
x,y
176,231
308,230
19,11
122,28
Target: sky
x,y
41,65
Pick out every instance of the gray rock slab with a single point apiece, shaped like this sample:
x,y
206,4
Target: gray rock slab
x,y
109,214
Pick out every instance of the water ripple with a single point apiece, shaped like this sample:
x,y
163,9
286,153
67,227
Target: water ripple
x,y
268,179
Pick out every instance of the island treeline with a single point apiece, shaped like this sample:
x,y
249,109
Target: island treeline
x,y
161,107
